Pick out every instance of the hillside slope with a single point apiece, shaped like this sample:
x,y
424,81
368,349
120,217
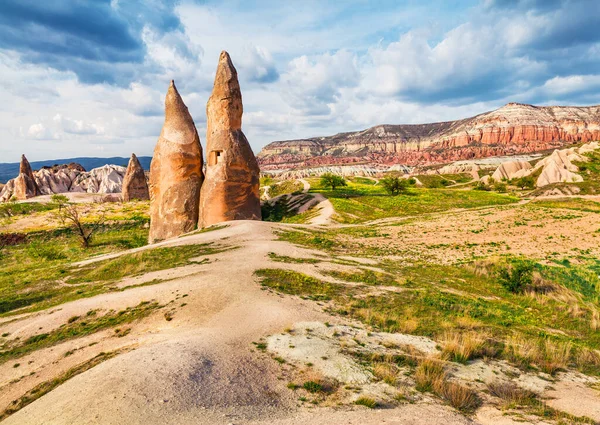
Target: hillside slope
x,y
512,129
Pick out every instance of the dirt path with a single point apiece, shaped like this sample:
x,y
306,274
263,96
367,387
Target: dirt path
x,y
201,367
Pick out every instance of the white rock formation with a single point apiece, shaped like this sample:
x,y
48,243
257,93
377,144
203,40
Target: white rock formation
x,y
62,179
511,169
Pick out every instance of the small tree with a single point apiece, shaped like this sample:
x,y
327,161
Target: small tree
x,y
60,200
394,185
72,215
332,180
516,276
527,182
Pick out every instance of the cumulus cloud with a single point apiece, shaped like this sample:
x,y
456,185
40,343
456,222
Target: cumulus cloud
x,y
310,84
89,76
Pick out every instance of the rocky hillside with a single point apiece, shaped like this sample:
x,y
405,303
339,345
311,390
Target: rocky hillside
x,y
71,178
513,129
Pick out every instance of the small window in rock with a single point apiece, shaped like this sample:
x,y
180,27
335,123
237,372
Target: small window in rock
x,y
215,157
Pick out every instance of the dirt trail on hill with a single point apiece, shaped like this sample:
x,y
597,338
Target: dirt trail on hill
x,y
201,367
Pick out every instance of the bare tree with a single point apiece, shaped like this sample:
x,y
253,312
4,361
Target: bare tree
x,y
73,215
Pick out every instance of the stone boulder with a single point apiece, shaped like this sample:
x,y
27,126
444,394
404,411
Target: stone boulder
x,y
134,182
175,173
512,169
231,189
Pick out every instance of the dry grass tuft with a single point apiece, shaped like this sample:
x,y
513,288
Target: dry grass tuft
x,y
459,397
511,395
548,355
462,347
387,372
429,374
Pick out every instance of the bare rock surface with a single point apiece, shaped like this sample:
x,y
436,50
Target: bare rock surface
x,y
511,169
134,182
231,189
67,178
175,172
510,130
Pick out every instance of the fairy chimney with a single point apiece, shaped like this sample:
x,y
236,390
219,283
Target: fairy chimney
x,y
134,182
231,188
175,173
25,185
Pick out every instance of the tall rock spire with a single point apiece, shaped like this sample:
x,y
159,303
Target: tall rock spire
x,y
134,182
175,173
25,185
230,191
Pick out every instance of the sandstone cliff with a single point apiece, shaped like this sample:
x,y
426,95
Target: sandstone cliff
x,y
513,129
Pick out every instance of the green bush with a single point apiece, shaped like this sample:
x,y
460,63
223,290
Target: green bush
x,y
394,185
332,181
527,182
516,276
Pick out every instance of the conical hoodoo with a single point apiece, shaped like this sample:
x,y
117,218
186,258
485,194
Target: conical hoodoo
x,y
25,185
231,188
134,182
175,173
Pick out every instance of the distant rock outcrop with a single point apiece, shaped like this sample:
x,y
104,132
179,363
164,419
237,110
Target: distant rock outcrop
x,y
231,188
512,169
175,173
555,168
68,178
134,182
513,129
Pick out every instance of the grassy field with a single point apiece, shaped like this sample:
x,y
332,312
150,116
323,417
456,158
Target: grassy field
x,y
359,202
36,272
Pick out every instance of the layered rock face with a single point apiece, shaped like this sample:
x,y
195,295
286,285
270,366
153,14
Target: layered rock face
x,y
134,182
175,173
511,130
231,188
70,178
25,186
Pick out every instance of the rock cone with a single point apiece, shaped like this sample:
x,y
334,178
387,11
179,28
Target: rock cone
x,y
175,173
25,185
134,182
231,189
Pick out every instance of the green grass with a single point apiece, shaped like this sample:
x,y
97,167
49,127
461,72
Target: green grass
x,y
286,186
441,298
75,328
285,259
12,209
358,202
578,204
33,274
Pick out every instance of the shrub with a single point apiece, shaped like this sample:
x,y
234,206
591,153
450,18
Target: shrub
x,y
517,276
312,387
332,180
501,187
394,185
527,182
459,397
482,186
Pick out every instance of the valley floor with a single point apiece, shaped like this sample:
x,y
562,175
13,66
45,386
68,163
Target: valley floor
x,y
275,323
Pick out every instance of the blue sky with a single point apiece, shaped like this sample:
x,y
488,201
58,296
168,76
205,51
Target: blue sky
x,y
88,78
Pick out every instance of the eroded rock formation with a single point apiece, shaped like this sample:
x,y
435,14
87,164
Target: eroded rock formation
x,y
25,186
71,178
231,188
175,172
134,182
511,130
